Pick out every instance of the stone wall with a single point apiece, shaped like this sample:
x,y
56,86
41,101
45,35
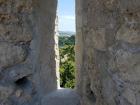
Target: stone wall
x,y
108,52
27,51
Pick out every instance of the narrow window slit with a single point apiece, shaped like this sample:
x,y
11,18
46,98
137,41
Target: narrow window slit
x,y
66,27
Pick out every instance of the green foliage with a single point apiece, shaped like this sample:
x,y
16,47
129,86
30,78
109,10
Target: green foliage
x,y
67,52
67,74
66,40
67,61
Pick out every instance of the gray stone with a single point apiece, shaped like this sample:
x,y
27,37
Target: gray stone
x,y
62,97
130,96
98,38
15,33
29,55
108,74
107,53
128,65
129,34
11,55
5,92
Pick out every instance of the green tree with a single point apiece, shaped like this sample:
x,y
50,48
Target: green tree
x,y
67,74
67,62
66,40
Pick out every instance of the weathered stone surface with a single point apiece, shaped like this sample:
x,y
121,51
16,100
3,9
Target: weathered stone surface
x,y
28,51
130,96
15,33
132,5
5,92
128,65
129,34
62,97
99,39
108,68
23,6
11,55
107,53
20,71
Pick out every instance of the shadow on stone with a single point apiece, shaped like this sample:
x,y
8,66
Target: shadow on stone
x,y
62,97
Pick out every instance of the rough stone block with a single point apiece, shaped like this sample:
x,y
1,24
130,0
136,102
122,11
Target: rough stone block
x,y
99,41
131,5
62,97
130,96
128,65
129,34
11,55
23,6
5,92
15,33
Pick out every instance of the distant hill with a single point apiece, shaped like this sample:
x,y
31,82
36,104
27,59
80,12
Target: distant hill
x,y
66,33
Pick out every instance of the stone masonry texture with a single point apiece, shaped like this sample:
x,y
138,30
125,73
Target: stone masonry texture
x,y
108,52
27,51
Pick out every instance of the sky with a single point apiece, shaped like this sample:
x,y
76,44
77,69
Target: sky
x,y
66,15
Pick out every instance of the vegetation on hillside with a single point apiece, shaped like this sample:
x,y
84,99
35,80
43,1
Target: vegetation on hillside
x,y
67,61
66,40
